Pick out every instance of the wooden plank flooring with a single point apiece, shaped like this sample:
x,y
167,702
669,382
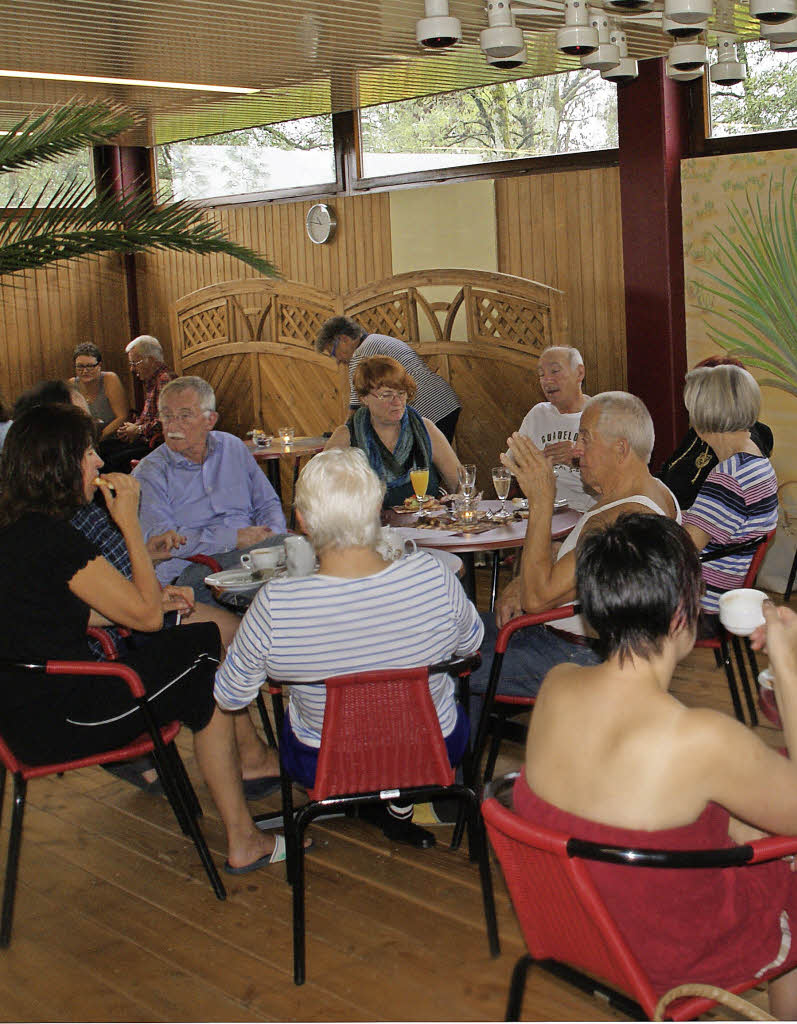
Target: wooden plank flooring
x,y
115,920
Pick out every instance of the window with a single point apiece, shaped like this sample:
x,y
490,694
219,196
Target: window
x,y
765,101
271,157
34,186
565,113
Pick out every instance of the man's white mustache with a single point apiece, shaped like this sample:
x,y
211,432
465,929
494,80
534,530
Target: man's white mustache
x,y
174,435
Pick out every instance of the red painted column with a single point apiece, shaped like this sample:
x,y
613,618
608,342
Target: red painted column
x,y
653,137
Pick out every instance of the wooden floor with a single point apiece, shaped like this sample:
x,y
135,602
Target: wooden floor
x,y
115,920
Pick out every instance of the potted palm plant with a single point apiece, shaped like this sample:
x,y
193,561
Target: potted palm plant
x,y
76,223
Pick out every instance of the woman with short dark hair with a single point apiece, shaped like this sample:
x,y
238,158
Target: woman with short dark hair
x,y
54,583
612,757
394,437
102,389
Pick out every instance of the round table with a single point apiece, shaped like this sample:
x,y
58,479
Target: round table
x,y
271,455
504,535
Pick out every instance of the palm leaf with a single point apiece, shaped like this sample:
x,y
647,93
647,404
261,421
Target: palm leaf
x,y
61,131
757,285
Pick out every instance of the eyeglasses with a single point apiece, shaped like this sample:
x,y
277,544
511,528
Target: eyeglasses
x,y
389,395
137,362
85,367
180,417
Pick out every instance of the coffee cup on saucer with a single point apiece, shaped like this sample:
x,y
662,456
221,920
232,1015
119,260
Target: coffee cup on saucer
x,y
741,610
264,558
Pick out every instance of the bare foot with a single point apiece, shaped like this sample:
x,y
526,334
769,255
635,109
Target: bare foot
x,y
261,844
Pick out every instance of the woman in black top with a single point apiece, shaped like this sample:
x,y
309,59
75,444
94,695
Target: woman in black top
x,y
54,583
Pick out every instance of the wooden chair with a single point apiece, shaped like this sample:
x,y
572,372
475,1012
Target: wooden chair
x,y
564,920
498,707
381,741
155,741
723,643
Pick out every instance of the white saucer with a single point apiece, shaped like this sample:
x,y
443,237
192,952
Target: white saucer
x,y
238,581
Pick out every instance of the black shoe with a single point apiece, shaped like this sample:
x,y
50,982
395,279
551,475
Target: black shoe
x,y
401,831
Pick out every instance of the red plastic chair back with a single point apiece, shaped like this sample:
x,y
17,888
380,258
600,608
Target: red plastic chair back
x,y
381,732
758,558
560,912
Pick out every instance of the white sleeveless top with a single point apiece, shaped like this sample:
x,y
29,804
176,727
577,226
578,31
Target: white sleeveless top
x,y
576,623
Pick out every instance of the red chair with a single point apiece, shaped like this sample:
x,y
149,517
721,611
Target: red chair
x,y
381,741
720,643
155,741
498,707
566,925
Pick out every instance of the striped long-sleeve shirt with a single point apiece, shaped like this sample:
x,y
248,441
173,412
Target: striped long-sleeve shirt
x,y
412,613
738,502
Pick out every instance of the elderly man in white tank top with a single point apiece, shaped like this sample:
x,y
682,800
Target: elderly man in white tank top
x,y
613,447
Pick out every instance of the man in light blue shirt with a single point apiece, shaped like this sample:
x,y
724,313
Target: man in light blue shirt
x,y
204,485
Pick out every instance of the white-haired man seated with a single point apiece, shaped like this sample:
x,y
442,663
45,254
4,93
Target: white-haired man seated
x,y
614,447
553,425
358,613
203,488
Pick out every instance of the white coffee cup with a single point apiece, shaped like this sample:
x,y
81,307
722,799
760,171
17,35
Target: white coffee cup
x,y
299,556
741,612
393,544
264,558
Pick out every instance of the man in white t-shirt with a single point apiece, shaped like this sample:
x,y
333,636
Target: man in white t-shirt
x,y
553,425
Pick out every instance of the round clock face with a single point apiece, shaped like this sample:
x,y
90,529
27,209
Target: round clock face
x,y
320,223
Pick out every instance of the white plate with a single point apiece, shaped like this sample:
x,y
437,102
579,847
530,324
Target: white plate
x,y
238,581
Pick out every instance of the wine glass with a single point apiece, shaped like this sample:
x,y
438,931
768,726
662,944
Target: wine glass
x,y
466,476
419,478
502,480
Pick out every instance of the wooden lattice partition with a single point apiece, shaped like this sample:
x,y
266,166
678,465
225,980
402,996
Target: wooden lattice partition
x,y
253,339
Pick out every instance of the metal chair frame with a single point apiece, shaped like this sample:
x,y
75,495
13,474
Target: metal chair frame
x,y
154,740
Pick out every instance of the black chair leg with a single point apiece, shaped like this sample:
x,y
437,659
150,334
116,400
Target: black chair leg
x,y
792,575
12,863
494,579
497,734
729,675
299,951
265,720
488,897
748,693
517,987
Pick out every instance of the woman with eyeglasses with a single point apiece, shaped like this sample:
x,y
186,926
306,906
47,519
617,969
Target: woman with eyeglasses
x,y
394,436
102,389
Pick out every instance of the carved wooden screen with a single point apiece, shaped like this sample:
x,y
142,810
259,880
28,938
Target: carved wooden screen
x,y
253,340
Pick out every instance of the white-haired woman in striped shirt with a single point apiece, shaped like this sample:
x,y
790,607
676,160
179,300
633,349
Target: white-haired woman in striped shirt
x,y
358,613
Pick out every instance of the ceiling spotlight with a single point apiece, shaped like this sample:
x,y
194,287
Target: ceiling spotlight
x,y
790,47
773,12
628,5
626,69
577,37
437,29
607,55
688,12
678,30
503,38
514,60
684,76
728,70
688,56
784,32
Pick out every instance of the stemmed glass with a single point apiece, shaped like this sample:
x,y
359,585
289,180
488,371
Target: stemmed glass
x,y
502,480
419,478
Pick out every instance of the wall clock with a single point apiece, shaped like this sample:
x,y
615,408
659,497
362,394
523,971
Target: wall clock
x,y
321,223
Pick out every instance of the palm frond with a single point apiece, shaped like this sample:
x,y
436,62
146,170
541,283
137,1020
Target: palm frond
x,y
756,284
61,131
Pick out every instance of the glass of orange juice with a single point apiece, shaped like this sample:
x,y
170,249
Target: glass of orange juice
x,y
419,478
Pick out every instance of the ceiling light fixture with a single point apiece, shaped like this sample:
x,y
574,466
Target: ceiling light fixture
x,y
514,60
626,69
438,29
628,5
678,30
503,37
773,12
727,70
684,76
577,37
783,32
688,12
784,47
607,54
48,77
688,56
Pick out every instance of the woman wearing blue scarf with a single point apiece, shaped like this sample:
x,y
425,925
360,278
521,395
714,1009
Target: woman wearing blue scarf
x,y
392,434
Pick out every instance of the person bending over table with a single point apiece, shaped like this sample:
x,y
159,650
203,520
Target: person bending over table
x,y
358,613
739,500
54,583
392,434
204,485
613,448
613,758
